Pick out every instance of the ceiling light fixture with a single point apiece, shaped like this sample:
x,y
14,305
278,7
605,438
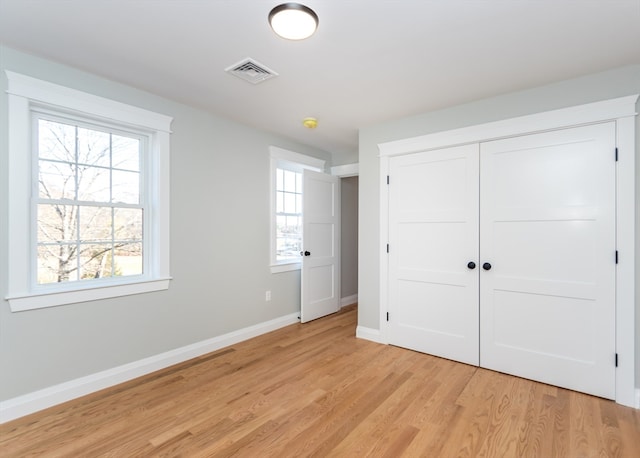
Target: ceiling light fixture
x,y
293,21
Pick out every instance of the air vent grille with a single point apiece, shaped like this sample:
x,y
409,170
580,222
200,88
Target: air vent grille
x,y
251,70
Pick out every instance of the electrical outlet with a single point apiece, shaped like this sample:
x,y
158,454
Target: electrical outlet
x,y
267,296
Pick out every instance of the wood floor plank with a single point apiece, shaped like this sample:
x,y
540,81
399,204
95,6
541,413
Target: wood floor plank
x,y
313,389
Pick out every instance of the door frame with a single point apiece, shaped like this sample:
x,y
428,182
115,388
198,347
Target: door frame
x,y
621,110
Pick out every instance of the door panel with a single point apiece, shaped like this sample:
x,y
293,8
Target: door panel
x,y
320,276
433,235
547,306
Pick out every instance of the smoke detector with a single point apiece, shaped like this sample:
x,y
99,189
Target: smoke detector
x,y
251,70
310,123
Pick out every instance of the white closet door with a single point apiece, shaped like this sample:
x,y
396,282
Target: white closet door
x,y
548,231
433,235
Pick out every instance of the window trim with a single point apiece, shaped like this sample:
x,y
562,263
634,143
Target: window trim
x,y
25,95
291,160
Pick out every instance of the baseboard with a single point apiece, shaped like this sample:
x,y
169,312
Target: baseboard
x,y
348,300
637,406
373,335
57,394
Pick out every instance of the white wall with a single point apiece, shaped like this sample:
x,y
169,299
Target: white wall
x,y
590,88
349,237
219,173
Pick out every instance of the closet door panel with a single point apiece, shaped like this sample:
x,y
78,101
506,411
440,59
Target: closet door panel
x,y
433,235
547,227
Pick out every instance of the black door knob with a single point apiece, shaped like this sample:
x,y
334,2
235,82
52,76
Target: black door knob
x,y
306,253
486,266
471,265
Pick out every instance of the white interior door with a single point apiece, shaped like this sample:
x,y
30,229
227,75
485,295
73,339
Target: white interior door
x,y
320,244
433,236
548,231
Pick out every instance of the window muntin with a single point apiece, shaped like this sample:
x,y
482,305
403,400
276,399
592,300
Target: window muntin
x,y
89,211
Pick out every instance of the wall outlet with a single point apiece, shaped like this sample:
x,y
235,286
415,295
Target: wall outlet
x,y
267,296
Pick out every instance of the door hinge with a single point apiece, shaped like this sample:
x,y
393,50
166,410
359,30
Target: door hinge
x,y
616,256
388,318
616,154
387,247
616,354
387,179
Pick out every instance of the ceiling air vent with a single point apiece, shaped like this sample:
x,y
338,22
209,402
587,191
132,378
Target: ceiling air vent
x,y
251,71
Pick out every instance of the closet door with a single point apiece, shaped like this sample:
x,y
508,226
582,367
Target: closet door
x,y
548,232
433,236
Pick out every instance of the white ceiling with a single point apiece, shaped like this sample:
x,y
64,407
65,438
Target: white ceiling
x,y
369,61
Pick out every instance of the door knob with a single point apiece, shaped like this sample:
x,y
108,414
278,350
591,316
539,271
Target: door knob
x,y
306,253
486,266
471,265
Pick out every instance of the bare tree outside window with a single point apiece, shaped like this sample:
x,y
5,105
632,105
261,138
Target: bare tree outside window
x,y
90,218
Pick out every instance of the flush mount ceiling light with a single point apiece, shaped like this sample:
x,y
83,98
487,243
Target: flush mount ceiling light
x,y
293,21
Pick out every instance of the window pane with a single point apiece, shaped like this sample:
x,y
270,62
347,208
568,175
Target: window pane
x,y
128,259
127,224
287,248
281,247
95,224
56,180
56,141
289,181
94,147
294,227
299,182
289,203
125,153
280,225
126,187
279,202
96,261
57,223
299,203
279,179
93,184
57,263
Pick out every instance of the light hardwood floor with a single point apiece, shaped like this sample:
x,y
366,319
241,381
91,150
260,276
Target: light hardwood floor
x,y
316,390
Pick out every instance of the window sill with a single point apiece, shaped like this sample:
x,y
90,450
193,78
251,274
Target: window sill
x,y
288,267
52,299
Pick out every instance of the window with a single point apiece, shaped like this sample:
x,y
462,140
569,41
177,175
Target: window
x,y
88,203
286,206
288,214
88,211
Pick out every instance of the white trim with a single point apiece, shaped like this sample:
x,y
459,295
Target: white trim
x,y
625,269
60,96
26,95
621,110
282,154
637,404
348,300
373,335
57,394
51,299
606,110
383,282
285,267
347,170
